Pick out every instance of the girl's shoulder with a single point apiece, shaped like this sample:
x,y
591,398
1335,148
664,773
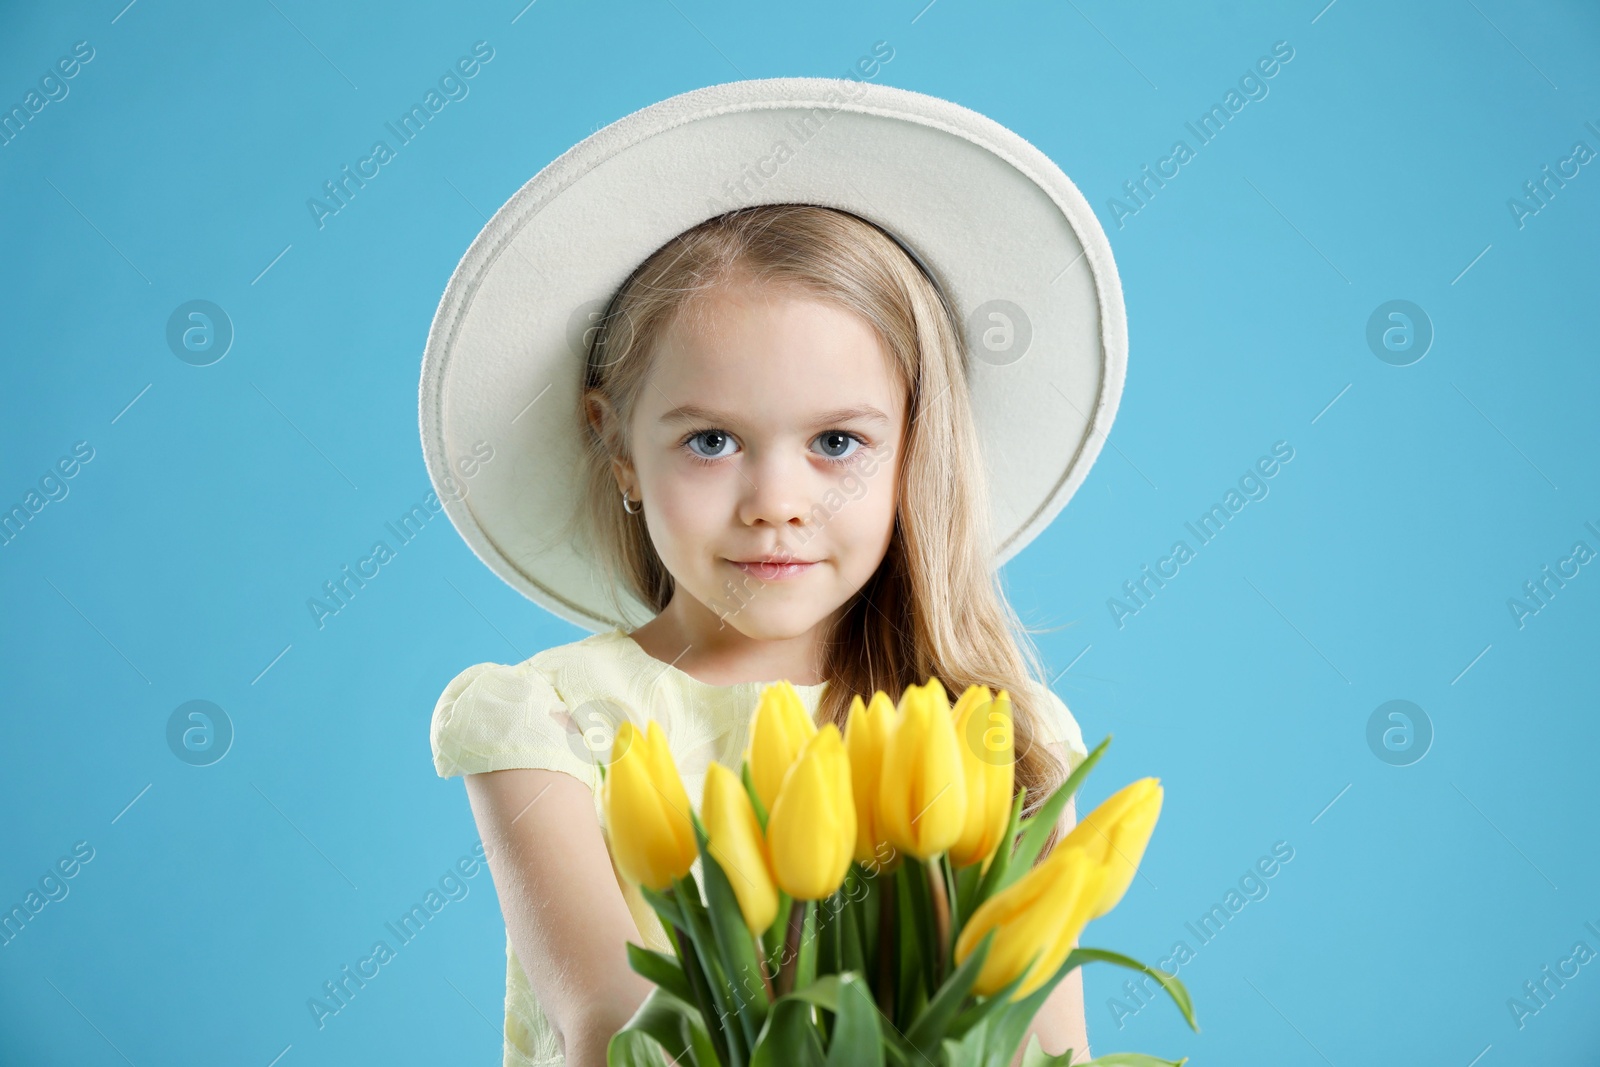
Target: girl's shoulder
x,y
1058,725
494,716
595,652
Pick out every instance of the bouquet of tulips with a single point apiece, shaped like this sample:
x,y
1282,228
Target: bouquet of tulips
x,y
868,899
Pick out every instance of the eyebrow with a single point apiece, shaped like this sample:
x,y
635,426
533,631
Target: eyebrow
x,y
695,413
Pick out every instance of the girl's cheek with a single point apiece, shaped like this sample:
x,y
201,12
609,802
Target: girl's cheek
x,y
686,504
865,524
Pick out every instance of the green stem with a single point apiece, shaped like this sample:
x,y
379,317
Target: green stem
x,y
791,950
939,902
886,955
702,991
728,1019
908,942
773,938
806,967
922,907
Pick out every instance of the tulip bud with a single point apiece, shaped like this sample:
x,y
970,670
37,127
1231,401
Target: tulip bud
x,y
922,794
734,841
1115,834
811,832
1037,920
646,809
866,732
778,730
984,726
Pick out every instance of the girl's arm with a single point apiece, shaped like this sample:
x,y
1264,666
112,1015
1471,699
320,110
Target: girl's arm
x,y
1059,1022
563,909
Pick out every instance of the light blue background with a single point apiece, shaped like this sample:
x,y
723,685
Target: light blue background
x,y
1379,167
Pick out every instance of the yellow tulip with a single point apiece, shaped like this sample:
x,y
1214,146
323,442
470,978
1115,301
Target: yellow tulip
x,y
1115,834
866,732
646,809
733,838
983,723
922,794
811,832
1037,919
778,730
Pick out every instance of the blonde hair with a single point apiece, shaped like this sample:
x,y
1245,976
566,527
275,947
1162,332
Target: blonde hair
x,y
934,608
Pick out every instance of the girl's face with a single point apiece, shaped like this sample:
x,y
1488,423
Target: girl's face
x,y
768,430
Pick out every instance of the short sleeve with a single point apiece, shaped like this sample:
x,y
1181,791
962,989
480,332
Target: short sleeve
x,y
1059,725
492,717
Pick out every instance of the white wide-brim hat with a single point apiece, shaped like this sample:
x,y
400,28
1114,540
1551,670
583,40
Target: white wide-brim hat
x,y
1015,247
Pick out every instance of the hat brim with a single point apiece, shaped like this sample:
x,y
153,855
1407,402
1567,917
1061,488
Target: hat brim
x,y
1014,245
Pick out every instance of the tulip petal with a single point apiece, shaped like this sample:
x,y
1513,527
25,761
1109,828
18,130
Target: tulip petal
x,y
779,728
734,841
1037,919
866,735
922,795
1115,835
812,827
984,726
645,834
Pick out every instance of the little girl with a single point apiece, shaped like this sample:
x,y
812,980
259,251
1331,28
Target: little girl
x,y
782,462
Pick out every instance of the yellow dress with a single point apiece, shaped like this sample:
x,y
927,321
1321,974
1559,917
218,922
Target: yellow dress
x,y
559,710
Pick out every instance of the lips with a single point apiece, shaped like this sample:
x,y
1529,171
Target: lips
x,y
774,569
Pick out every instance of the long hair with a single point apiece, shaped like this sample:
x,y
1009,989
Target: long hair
x,y
934,608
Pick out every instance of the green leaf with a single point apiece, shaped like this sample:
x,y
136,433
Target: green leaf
x,y
907,945
828,920
1010,1023
805,971
661,969
838,905
789,1038
755,798
735,944
1175,989
663,1023
853,956
967,881
705,945
634,1048
1007,1025
839,995
1036,828
1131,1059
916,875
857,1039
824,993
929,1029
772,938
981,1013
703,999
867,918
968,1050
1036,1056
666,907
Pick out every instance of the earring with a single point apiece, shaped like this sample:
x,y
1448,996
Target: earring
x,y
625,507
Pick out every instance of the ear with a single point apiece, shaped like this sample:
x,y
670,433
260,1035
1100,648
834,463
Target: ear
x,y
602,417
622,470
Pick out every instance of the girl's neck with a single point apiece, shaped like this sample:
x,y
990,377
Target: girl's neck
x,y
707,648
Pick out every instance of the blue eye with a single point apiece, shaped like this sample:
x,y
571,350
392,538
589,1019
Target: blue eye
x,y
716,436
834,445
839,439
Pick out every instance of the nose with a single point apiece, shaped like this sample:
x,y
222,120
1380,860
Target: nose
x,y
778,490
